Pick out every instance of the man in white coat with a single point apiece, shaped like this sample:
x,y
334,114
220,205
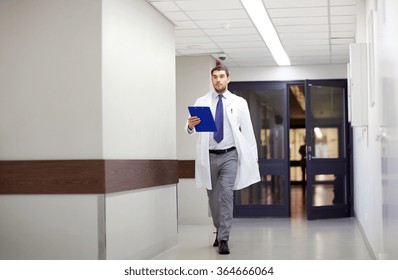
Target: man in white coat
x,y
226,160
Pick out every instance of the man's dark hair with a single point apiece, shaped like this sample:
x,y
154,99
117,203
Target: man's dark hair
x,y
220,68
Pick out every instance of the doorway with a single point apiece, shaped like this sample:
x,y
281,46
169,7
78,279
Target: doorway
x,y
288,118
297,148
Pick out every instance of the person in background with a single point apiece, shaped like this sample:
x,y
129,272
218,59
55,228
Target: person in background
x,y
226,160
303,162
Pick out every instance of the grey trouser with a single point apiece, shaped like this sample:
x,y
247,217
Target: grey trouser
x,y
223,174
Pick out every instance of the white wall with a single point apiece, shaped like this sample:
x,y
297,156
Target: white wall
x,y
45,227
141,223
289,73
193,81
50,108
367,154
86,80
139,117
50,80
138,82
376,145
387,45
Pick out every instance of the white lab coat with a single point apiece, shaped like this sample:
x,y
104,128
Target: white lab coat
x,y
239,117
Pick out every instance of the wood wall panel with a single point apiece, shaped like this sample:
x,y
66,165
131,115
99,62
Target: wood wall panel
x,y
84,176
186,169
124,175
52,177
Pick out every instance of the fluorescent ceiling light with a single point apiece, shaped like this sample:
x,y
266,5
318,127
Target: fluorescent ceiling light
x,y
260,18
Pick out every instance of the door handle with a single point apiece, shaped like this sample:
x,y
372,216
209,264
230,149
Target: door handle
x,y
308,152
311,157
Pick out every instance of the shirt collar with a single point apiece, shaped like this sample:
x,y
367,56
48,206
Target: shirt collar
x,y
226,94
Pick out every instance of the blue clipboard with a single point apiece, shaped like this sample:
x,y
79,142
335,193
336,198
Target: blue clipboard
x,y
207,123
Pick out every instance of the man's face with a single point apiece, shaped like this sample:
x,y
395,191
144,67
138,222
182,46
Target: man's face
x,y
220,81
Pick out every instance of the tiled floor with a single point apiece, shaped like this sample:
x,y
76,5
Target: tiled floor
x,y
292,238
275,238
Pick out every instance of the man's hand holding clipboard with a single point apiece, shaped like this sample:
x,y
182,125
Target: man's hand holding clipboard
x,y
201,119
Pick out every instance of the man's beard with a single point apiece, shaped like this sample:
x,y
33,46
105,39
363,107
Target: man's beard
x,y
221,90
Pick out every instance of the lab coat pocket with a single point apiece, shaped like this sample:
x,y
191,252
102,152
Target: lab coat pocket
x,y
234,115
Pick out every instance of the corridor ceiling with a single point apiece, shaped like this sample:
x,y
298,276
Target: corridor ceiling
x,y
311,31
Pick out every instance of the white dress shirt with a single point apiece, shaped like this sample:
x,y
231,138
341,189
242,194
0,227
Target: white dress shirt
x,y
228,140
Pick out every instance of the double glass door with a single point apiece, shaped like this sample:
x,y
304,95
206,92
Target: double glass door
x,y
326,141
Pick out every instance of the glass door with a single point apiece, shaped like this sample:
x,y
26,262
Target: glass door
x,y
327,159
268,105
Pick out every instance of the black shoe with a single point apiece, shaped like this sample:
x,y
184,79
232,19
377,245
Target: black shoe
x,y
215,244
223,247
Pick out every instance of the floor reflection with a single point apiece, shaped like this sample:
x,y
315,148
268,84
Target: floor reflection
x,y
297,202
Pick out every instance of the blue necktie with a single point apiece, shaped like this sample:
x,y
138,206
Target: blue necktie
x,y
219,134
